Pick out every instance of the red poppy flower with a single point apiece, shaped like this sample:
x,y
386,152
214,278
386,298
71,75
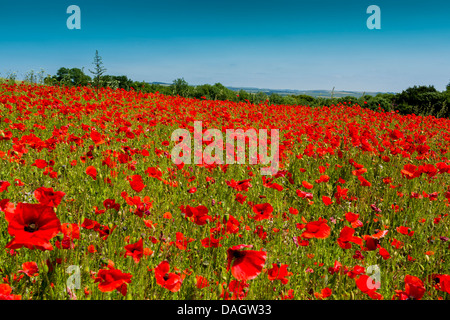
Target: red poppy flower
x,y
97,137
201,282
370,243
237,290
154,172
30,269
414,289
263,211
4,186
32,226
243,185
111,204
231,224
323,178
325,293
48,197
380,234
442,282
279,273
364,182
211,242
260,232
338,267
353,219
359,172
410,171
240,198
355,271
346,236
245,264
136,183
90,224
113,279
383,252
199,214
307,185
5,292
192,190
92,172
300,242
366,284
182,241
405,230
71,231
327,200
396,243
341,193
170,281
317,229
135,250
39,163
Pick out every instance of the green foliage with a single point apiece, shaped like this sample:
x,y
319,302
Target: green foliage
x,y
259,97
180,87
383,101
71,77
98,71
243,96
421,100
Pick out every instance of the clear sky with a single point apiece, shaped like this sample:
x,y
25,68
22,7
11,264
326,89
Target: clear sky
x,y
283,44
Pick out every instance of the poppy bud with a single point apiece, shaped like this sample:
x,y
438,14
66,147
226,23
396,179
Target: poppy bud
x,y
60,236
226,217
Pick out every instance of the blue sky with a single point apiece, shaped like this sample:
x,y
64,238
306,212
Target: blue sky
x,y
282,44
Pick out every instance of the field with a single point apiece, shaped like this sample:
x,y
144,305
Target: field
x,y
93,207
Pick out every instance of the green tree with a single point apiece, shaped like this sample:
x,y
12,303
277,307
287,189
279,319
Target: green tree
x,y
180,87
304,100
421,100
74,77
259,97
244,96
383,101
276,98
221,92
98,71
289,100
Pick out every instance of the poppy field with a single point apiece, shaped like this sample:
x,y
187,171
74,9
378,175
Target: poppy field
x,y
93,207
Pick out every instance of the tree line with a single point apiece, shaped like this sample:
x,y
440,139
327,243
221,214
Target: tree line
x,y
419,100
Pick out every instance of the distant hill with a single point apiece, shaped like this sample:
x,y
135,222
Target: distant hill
x,y
285,92
312,93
